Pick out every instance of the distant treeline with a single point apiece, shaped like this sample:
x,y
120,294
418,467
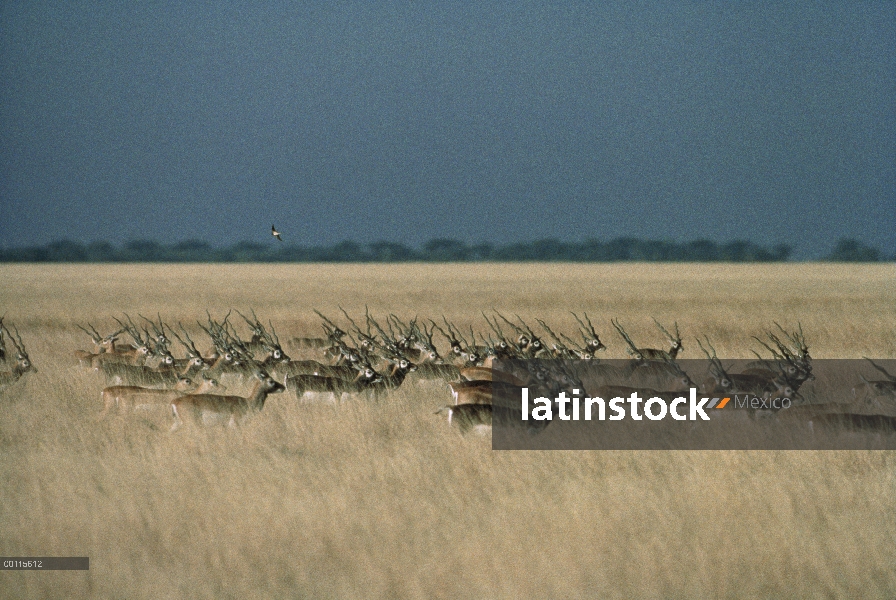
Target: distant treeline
x,y
438,250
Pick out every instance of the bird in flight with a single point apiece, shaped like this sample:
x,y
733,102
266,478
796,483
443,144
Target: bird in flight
x,y
276,233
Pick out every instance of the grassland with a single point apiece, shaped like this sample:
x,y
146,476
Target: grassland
x,y
383,500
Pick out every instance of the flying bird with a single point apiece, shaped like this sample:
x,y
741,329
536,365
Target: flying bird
x,y
276,233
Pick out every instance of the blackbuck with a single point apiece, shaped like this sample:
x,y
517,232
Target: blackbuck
x,y
136,354
458,353
645,354
415,342
398,372
528,344
162,375
730,384
22,364
194,356
101,344
316,388
872,391
334,335
593,345
504,349
212,409
3,353
160,338
127,398
795,364
261,340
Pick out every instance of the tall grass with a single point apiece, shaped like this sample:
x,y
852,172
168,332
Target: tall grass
x,y
382,499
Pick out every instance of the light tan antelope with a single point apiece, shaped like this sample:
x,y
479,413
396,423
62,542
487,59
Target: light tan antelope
x,y
211,409
131,398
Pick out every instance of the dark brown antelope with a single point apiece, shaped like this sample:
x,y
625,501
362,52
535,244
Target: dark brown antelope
x,y
871,391
315,388
22,364
645,354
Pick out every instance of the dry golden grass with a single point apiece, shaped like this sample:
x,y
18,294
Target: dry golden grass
x,y
383,500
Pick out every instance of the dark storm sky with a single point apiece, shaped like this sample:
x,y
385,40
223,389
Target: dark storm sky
x,y
406,121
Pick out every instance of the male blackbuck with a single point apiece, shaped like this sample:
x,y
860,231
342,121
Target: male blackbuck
x,y
400,369
528,344
315,387
136,355
871,391
22,364
101,345
795,364
334,335
592,341
645,354
160,338
212,409
3,355
730,384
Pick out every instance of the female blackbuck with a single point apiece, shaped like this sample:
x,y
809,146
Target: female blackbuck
x,y
132,398
164,374
211,409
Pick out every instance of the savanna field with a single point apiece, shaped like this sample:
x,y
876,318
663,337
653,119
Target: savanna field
x,y
383,499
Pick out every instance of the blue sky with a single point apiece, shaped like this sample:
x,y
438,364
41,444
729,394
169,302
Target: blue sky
x,y
501,122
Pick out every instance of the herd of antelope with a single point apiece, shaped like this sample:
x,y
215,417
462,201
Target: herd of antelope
x,y
351,361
